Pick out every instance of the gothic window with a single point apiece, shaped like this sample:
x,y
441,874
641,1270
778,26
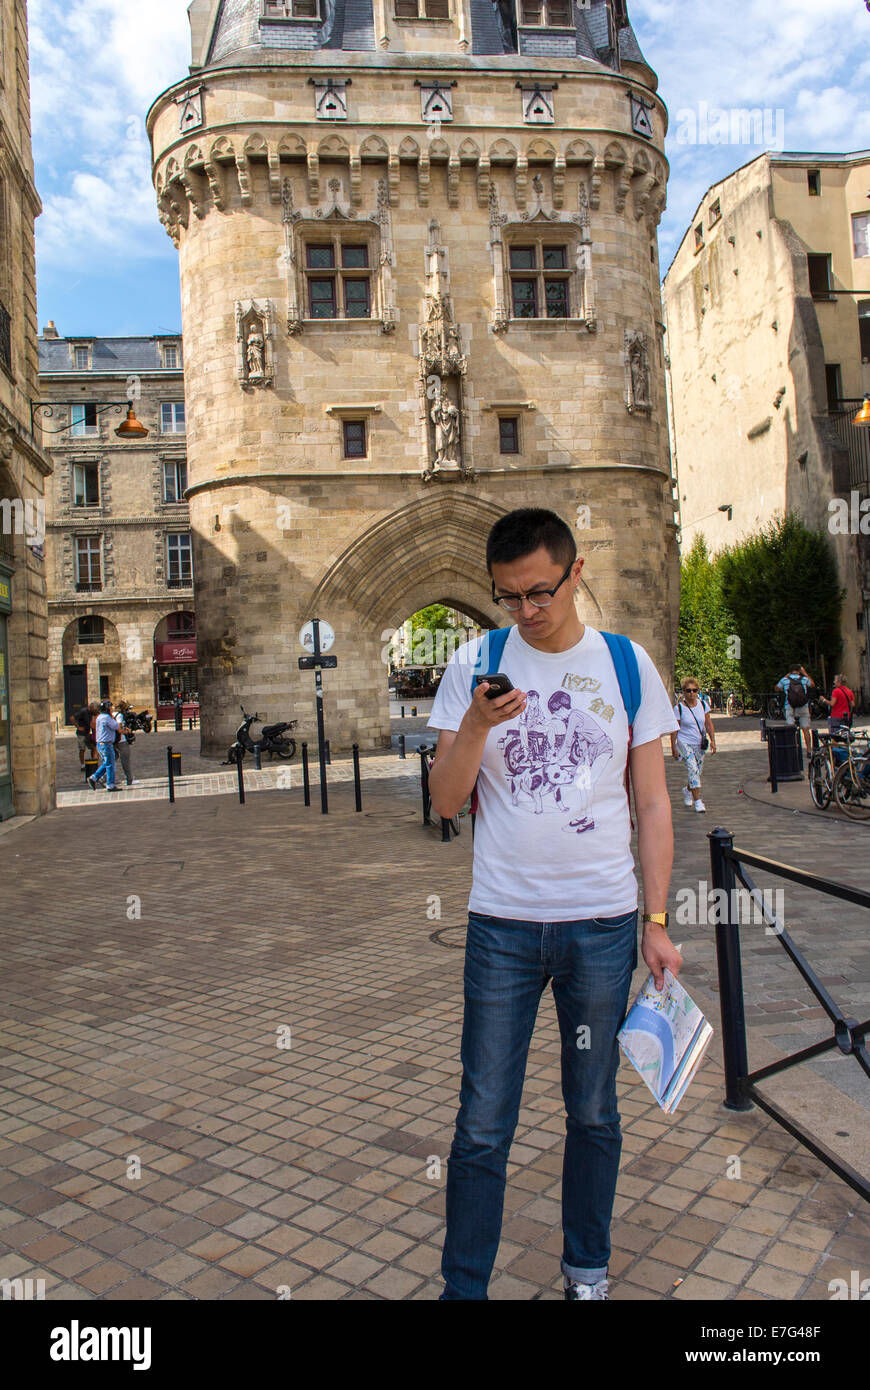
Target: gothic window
x,y
338,279
509,434
354,438
539,276
546,14
422,9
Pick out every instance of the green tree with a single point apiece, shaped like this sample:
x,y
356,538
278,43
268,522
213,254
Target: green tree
x,y
705,645
783,588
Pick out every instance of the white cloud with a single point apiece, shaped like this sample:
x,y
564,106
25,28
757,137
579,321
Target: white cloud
x,y
96,66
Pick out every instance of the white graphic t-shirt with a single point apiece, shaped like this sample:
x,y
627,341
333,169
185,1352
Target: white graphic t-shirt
x,y
552,838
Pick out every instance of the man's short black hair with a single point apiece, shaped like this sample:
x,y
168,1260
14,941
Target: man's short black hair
x,y
525,530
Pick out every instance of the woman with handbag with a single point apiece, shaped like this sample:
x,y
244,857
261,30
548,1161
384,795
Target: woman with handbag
x,y
692,740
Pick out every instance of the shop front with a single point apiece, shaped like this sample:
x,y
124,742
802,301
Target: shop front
x,y
174,675
6,807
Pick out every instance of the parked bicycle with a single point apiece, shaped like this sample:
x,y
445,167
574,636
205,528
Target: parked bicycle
x,y
824,764
852,779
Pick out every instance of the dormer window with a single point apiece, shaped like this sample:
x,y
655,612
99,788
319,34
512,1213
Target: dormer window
x,y
81,354
291,9
546,14
171,356
422,9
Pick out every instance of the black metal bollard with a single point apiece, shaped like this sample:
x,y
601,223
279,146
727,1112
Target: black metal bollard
x,y
190,721
326,755
413,711
402,753
445,828
241,776
257,757
171,773
357,787
306,784
730,973
424,782
771,763
403,711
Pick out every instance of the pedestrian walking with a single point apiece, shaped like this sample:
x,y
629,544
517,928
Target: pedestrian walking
x,y
693,738
796,689
124,739
179,712
554,894
106,728
84,725
841,705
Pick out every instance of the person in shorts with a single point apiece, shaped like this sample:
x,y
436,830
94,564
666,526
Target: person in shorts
x,y
797,704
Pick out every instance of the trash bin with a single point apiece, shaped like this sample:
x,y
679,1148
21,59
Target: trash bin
x,y
785,748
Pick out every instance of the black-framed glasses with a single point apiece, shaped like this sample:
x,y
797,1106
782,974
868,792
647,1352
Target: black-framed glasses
x,y
541,598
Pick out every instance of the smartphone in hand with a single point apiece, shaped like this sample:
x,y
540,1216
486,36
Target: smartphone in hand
x,y
499,684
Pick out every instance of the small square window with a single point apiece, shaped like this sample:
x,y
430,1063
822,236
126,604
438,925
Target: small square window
x,y
509,434
354,257
715,212
819,267
320,257
554,258
322,298
522,258
699,236
92,630
356,299
525,299
557,298
814,183
354,432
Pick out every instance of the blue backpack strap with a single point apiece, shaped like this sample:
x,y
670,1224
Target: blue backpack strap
x,y
495,640
627,672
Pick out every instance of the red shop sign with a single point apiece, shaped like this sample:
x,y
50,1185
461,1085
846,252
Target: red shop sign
x,y
171,652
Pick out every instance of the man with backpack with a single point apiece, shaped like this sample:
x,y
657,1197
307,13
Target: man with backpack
x,y
796,689
554,893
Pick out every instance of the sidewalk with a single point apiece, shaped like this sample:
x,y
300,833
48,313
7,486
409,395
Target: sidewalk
x,y
150,999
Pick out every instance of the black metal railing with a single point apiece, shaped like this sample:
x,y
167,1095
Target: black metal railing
x,y
856,439
741,1085
447,824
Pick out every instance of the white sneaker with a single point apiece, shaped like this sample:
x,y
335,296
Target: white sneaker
x,y
575,1292
687,796
699,805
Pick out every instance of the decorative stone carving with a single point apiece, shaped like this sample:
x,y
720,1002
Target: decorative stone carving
x,y
436,101
443,366
385,227
538,106
189,109
255,355
637,374
641,116
497,220
330,100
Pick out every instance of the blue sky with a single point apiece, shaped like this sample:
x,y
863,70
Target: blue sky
x,y
105,265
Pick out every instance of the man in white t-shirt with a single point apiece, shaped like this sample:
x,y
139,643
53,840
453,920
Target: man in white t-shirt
x,y
554,893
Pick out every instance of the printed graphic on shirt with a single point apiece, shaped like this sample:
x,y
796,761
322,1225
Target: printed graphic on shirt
x,y
554,756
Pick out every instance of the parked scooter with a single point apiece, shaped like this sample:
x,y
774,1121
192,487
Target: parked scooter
x,y
271,741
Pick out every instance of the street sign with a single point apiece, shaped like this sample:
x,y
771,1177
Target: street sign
x,y
306,636
308,663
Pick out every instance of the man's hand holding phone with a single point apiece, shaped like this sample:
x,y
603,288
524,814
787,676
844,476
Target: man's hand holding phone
x,y
495,701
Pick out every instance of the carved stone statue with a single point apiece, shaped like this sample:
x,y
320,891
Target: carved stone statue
x,y
445,418
254,352
637,373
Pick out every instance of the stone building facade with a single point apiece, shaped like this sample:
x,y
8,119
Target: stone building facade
x,y
27,768
767,306
419,278
118,549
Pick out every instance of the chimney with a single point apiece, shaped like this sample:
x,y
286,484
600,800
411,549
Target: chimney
x,y
50,331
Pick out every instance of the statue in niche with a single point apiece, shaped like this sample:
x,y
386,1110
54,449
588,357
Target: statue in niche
x,y
445,417
254,352
637,372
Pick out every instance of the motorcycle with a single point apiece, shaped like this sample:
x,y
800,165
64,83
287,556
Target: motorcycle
x,y
271,740
141,721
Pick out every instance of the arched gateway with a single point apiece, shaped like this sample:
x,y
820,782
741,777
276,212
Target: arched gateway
x,y
419,288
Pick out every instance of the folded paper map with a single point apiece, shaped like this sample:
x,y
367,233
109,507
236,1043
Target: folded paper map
x,y
664,1036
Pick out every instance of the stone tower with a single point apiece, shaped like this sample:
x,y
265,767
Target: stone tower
x,y
420,287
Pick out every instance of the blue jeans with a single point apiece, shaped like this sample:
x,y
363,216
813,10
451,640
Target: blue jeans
x,y
508,964
107,763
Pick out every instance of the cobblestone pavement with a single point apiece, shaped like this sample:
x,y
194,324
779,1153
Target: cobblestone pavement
x,y
159,1040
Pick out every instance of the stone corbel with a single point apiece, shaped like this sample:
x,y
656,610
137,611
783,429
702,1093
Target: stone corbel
x,y
274,174
313,178
623,183
243,169
483,171
355,180
423,180
642,195
453,181
598,167
215,183
521,180
193,198
559,181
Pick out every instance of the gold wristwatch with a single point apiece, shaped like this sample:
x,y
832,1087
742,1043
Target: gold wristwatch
x,y
661,918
